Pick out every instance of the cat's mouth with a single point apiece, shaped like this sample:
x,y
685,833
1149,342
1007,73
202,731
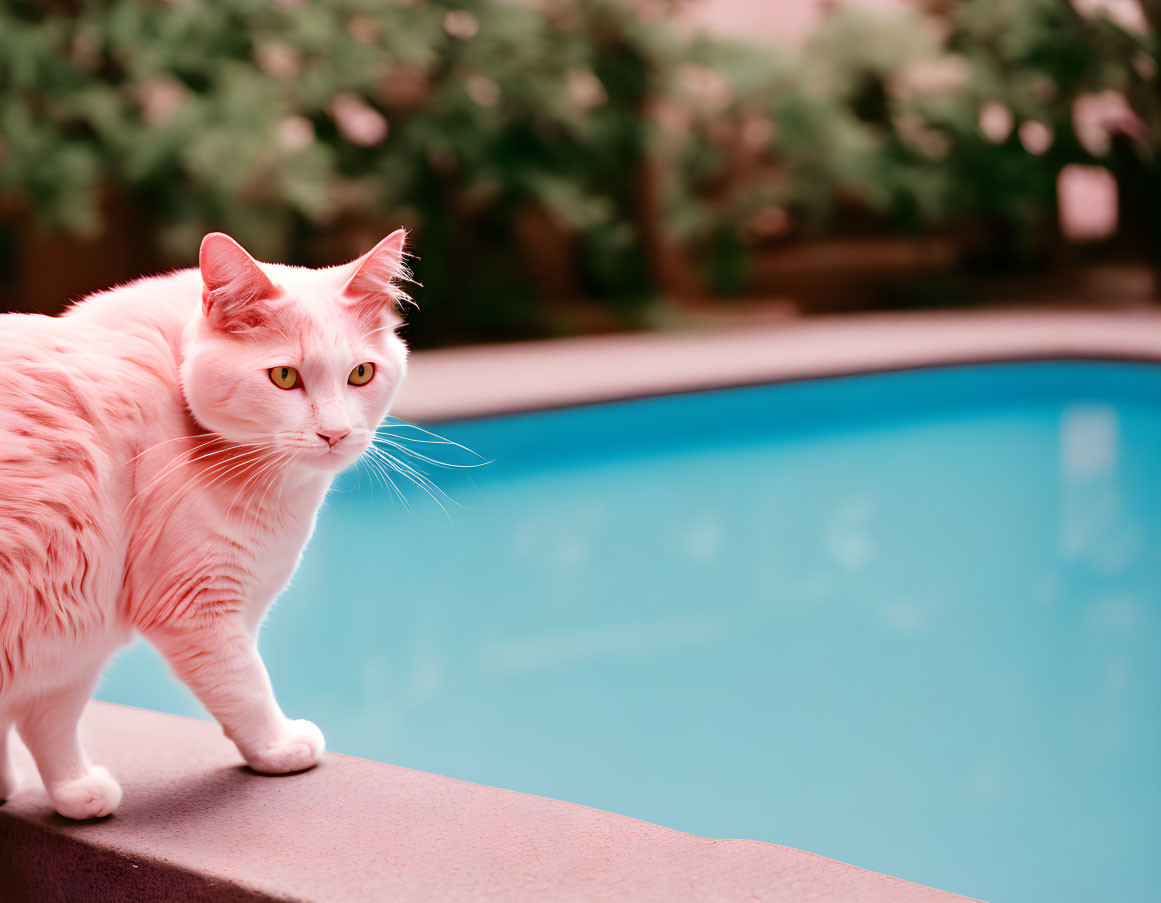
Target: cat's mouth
x,y
327,455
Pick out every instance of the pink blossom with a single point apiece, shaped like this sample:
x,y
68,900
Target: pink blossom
x,y
1128,14
160,99
482,89
916,133
1087,200
1144,65
585,90
459,23
1036,137
651,10
277,60
295,133
1097,117
359,122
996,121
403,87
943,75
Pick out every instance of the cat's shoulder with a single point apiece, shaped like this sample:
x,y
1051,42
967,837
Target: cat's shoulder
x,y
139,321
177,292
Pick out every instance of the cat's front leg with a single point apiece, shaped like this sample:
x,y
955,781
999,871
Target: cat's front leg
x,y
9,779
220,663
78,788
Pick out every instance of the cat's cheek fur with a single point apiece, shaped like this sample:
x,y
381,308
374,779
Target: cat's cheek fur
x,y
228,390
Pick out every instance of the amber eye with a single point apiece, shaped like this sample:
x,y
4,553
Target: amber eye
x,y
284,377
361,375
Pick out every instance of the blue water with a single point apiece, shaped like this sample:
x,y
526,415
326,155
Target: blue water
x,y
909,621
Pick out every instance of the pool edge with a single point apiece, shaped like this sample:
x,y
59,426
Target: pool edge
x,y
483,381
195,824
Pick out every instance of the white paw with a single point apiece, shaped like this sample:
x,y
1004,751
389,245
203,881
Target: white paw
x,y
95,795
299,748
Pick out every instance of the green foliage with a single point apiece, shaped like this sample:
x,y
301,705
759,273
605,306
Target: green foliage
x,y
281,122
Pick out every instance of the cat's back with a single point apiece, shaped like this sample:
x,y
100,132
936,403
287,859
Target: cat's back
x,y
83,391
111,356
42,395
55,568
79,394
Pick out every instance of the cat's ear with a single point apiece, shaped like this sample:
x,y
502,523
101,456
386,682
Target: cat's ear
x,y
372,286
234,286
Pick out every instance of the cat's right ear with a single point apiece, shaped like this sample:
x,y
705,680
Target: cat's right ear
x,y
233,285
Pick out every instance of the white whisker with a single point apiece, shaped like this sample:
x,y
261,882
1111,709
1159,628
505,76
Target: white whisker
x,y
387,482
174,439
413,453
268,464
177,463
403,424
416,477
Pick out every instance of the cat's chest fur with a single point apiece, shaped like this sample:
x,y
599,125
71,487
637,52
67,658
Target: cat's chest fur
x,y
274,551
220,553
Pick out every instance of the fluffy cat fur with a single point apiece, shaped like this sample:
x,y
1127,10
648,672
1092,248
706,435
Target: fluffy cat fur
x,y
154,478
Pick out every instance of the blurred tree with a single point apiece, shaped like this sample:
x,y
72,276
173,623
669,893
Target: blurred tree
x,y
566,147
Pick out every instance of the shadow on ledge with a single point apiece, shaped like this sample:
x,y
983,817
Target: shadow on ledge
x,y
196,825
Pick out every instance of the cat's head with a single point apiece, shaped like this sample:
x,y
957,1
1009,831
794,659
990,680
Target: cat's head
x,y
300,362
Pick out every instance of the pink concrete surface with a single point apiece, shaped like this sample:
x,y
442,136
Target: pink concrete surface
x,y
491,379
195,824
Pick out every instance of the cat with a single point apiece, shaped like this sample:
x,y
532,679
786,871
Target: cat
x,y
164,449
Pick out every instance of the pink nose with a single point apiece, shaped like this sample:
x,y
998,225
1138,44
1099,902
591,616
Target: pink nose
x,y
333,439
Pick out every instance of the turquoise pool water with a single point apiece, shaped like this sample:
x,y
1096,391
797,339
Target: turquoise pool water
x,y
910,621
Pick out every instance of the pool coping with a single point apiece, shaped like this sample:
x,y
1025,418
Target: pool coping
x,y
491,380
195,824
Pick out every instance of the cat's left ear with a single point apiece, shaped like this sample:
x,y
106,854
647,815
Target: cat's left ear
x,y
372,286
234,288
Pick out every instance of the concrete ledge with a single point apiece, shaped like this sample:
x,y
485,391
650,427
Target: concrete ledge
x,y
460,383
195,824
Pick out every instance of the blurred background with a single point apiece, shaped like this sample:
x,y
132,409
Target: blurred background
x,y
579,166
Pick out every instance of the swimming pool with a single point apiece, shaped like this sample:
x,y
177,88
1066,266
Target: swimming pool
x,y
909,621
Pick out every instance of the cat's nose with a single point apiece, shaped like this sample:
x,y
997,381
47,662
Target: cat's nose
x,y
332,439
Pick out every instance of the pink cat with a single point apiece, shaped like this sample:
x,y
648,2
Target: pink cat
x,y
164,449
